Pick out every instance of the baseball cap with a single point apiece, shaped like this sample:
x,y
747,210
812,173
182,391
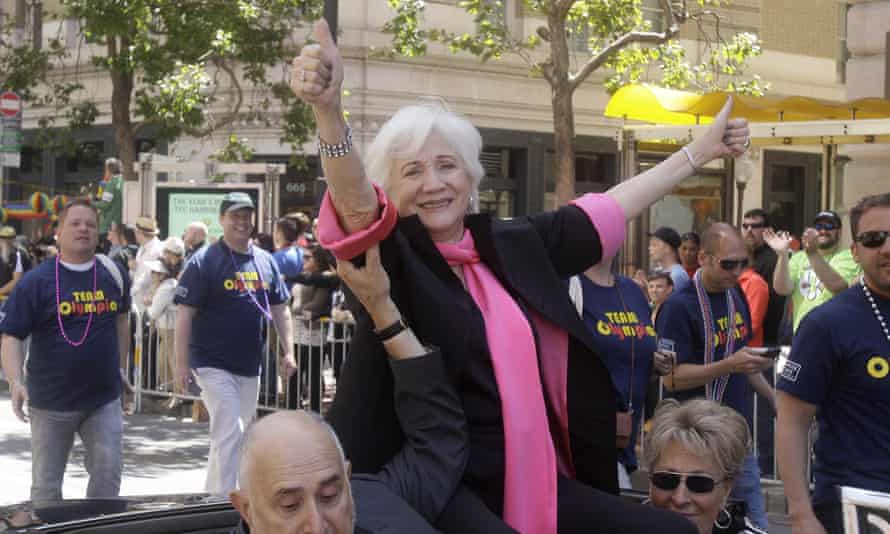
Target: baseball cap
x,y
235,200
7,232
828,215
668,235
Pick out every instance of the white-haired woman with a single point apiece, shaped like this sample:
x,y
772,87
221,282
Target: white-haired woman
x,y
694,451
539,403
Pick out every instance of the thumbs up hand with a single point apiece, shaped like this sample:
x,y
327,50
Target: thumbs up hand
x,y
725,137
317,73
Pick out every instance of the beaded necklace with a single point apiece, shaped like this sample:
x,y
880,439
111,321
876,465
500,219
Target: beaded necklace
x,y
874,308
714,390
267,312
59,306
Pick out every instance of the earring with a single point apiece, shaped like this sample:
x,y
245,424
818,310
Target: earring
x,y
728,521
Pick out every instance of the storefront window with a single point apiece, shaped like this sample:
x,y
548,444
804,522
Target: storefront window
x,y
693,205
497,192
594,173
499,203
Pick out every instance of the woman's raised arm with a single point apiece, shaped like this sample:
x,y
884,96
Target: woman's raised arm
x,y
317,79
725,137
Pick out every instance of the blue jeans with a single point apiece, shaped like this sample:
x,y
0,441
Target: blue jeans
x,y
52,436
747,488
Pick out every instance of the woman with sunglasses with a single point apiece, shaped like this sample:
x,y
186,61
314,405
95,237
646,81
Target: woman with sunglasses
x,y
693,453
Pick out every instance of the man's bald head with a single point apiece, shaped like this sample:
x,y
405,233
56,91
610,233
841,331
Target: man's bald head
x,y
194,234
293,475
716,234
722,247
287,429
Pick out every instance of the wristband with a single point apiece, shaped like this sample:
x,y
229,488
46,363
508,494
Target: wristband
x,y
391,331
689,157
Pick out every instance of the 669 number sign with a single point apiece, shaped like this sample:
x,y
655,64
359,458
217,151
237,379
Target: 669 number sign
x,y
303,191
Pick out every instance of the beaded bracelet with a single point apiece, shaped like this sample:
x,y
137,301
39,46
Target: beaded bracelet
x,y
337,150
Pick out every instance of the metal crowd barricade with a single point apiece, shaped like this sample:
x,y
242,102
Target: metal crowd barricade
x,y
319,347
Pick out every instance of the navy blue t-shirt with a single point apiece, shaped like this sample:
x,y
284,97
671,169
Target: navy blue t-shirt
x,y
62,377
616,330
680,320
840,361
227,328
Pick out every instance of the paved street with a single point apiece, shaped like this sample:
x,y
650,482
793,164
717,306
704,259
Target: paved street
x,y
161,456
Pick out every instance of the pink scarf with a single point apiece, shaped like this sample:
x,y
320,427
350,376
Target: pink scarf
x,y
530,477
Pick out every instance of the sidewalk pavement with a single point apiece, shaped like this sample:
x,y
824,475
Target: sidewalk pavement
x,y
162,455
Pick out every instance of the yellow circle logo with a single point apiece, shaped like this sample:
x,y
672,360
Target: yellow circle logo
x,y
878,367
603,328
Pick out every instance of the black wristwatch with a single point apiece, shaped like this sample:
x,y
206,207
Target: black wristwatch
x,y
391,331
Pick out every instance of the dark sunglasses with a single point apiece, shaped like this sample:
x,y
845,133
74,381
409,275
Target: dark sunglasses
x,y
669,481
753,226
825,226
873,239
731,265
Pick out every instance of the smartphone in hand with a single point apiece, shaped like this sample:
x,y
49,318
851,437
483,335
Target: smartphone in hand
x,y
767,352
666,345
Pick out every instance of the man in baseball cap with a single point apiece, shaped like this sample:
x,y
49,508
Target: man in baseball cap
x,y
234,201
226,293
819,271
664,251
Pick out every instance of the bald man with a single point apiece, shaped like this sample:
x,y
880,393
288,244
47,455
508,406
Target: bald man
x,y
194,236
294,478
709,324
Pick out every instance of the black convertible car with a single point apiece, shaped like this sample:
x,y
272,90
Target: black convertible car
x,y
174,514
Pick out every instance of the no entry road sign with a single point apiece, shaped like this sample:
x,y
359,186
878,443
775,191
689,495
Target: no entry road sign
x,y
10,104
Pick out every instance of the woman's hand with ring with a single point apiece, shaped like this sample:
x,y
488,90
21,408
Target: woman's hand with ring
x,y
317,73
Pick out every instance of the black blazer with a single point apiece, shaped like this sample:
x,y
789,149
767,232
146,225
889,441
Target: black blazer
x,y
531,257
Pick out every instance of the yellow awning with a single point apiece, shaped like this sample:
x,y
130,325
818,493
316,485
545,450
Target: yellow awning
x,y
668,106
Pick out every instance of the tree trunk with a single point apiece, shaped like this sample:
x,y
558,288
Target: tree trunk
x,y
122,83
563,144
563,111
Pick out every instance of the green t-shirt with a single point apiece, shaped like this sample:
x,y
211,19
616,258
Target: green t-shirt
x,y
809,292
110,205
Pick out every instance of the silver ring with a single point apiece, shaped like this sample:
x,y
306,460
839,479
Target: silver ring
x,y
302,76
748,142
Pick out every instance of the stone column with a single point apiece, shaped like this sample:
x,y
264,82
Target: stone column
x,y
868,23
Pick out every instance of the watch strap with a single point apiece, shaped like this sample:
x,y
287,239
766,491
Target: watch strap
x,y
391,331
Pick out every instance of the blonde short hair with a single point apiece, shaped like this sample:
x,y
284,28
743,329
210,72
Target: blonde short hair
x,y
404,134
704,428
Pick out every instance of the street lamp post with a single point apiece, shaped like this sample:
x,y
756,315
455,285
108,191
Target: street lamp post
x,y
743,171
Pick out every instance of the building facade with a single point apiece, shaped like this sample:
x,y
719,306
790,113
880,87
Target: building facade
x,y
804,54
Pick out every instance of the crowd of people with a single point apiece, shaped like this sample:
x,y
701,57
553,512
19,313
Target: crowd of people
x,y
500,372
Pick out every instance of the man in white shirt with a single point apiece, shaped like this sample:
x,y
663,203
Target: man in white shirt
x,y
150,248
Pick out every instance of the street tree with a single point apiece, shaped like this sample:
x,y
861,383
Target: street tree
x,y
618,39
181,67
